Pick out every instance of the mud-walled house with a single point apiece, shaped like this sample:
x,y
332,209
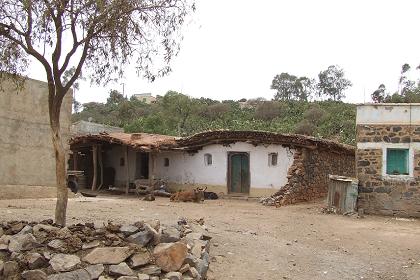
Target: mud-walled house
x,y
27,162
388,158
248,163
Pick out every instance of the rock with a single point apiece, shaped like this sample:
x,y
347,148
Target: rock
x,y
174,275
34,260
129,229
194,273
15,228
154,278
170,234
203,265
38,228
108,255
1,266
151,270
105,278
79,274
10,269
197,249
22,242
95,270
141,238
170,256
64,233
155,224
91,245
36,274
1,231
58,244
121,269
25,230
184,268
195,235
64,262
127,278
142,276
140,259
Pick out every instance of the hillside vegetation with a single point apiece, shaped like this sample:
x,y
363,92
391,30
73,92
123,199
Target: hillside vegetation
x,y
180,115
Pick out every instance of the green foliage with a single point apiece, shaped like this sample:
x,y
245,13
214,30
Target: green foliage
x,y
290,87
178,114
332,83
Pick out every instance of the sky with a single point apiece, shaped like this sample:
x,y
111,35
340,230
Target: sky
x,y
233,49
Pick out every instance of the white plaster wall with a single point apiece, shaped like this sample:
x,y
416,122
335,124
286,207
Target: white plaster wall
x,y
402,114
191,169
113,160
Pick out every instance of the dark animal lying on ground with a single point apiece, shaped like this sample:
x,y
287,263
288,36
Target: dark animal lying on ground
x,y
195,195
72,185
210,195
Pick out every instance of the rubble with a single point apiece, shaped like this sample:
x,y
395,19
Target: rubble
x,y
144,250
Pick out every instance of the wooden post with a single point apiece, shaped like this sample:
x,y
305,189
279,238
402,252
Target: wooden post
x,y
127,171
101,166
75,158
152,161
95,166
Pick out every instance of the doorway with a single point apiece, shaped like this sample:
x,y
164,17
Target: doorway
x,y
238,173
142,165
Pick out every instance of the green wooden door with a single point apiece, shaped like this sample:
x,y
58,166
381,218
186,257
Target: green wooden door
x,y
239,173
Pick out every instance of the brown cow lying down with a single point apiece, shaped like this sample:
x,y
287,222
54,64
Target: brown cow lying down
x,y
195,195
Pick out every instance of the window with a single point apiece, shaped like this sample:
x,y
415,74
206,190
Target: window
x,y
397,162
166,162
208,159
272,159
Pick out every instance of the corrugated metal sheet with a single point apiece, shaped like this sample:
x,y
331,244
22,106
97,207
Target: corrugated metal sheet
x,y
342,194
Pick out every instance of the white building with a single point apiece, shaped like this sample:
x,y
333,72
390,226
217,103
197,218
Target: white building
x,y
147,98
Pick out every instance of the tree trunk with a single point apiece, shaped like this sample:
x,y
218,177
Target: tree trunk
x,y
60,169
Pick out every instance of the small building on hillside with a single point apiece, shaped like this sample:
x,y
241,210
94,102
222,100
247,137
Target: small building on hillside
x,y
27,161
388,158
249,163
147,98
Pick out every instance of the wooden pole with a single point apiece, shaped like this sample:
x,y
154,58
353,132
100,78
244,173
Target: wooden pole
x,y
152,161
127,171
95,166
101,166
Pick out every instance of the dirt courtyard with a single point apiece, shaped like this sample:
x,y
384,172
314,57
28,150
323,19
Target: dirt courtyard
x,y
251,241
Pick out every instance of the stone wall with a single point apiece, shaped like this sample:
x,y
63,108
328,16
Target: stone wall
x,y
308,176
26,151
381,194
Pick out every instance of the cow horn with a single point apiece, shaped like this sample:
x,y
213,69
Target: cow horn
x,y
205,189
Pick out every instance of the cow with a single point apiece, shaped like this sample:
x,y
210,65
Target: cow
x,y
210,195
195,195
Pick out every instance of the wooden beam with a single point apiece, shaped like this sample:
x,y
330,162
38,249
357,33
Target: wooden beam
x,y
152,160
95,166
127,171
101,166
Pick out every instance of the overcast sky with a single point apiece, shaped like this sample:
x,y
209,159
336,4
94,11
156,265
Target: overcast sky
x,y
233,48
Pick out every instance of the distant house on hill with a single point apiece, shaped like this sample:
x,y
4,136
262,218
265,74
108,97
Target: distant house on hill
x,y
147,98
27,161
247,163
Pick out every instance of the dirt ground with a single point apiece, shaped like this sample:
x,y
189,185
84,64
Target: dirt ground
x,y
252,241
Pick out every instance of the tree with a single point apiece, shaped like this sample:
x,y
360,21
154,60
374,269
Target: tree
x,y
292,87
115,98
101,37
379,95
332,83
269,110
180,107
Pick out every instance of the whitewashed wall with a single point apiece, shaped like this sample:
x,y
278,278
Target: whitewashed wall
x,y
388,113
191,169
113,160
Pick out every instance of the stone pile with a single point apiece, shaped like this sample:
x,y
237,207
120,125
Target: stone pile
x,y
141,251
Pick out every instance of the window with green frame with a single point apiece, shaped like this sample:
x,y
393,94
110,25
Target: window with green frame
x,y
397,162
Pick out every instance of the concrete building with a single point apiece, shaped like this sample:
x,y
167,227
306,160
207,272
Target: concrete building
x,y
145,97
27,162
84,127
249,163
388,158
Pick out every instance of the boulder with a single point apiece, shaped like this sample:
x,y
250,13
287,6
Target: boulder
x,y
95,270
128,229
173,275
140,259
64,262
79,274
105,278
91,245
22,242
170,256
121,269
142,276
203,265
155,224
58,244
10,269
151,270
25,230
34,260
141,238
128,278
170,234
108,255
36,274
